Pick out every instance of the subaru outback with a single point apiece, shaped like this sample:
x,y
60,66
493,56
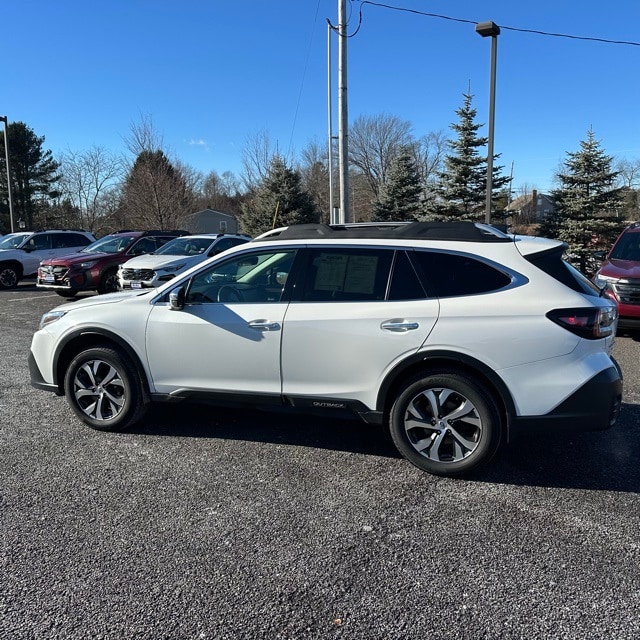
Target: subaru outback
x,y
95,268
454,336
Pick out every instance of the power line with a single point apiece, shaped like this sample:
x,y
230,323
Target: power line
x,y
533,31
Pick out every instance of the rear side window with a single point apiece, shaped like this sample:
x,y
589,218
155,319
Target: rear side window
x,y
448,274
63,240
347,275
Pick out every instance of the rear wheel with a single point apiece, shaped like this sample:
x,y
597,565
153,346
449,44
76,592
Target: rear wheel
x,y
9,276
104,390
445,423
109,282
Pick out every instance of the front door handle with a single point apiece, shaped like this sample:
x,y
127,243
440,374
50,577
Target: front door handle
x,y
399,326
264,325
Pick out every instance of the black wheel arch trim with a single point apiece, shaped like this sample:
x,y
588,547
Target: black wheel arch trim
x,y
102,335
458,362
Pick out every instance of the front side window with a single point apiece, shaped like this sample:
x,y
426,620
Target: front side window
x,y
39,242
346,275
251,277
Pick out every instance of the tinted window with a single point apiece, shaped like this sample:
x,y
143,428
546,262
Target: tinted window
x,y
449,274
405,284
146,245
39,242
347,275
63,240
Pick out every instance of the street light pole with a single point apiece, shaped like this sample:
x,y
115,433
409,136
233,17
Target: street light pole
x,y
343,145
486,29
6,152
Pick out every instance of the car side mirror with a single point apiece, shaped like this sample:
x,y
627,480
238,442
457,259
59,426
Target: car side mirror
x,y
599,255
176,299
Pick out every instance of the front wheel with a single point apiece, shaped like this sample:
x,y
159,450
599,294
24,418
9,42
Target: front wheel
x,y
103,389
445,424
9,277
109,282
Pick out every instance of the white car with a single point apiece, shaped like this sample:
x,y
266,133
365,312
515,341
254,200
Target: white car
x,y
455,335
22,252
154,269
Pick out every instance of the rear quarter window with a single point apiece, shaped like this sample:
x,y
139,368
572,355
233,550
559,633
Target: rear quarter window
x,y
446,275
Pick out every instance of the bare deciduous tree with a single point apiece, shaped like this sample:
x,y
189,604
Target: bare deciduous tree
x,y
257,153
87,179
374,141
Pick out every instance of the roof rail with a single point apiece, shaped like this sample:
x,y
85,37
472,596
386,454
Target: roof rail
x,y
456,231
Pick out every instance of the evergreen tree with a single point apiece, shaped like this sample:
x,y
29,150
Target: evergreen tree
x,y
587,203
278,201
462,186
400,195
33,175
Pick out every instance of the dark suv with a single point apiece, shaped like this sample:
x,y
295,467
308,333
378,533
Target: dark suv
x,y
95,268
619,275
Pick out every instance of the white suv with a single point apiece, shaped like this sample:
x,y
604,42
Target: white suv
x,y
455,336
21,253
178,255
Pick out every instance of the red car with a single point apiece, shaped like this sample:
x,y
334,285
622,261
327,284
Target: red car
x,y
95,268
619,276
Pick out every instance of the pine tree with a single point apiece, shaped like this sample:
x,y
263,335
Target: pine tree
x,y
461,188
586,203
278,201
34,174
400,196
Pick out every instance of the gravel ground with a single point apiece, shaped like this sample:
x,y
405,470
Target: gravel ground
x,y
220,524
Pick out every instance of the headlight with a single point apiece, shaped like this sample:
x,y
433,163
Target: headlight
x,y
603,281
87,265
51,316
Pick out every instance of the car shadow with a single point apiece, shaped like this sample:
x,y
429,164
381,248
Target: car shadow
x,y
602,460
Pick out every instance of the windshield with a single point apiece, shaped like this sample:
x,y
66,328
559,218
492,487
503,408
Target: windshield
x,y
13,240
109,244
627,248
185,246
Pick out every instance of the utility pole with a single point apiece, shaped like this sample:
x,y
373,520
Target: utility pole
x,y
343,146
330,119
6,152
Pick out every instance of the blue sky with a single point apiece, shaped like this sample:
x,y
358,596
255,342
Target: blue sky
x,y
212,73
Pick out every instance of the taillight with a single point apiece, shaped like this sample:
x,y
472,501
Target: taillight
x,y
590,322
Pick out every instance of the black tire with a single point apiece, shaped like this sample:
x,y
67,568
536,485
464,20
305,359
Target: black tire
x,y
109,282
104,390
9,276
445,423
67,294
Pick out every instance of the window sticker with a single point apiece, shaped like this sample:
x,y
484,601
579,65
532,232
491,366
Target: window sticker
x,y
350,274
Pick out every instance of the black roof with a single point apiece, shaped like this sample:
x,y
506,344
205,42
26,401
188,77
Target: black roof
x,y
460,231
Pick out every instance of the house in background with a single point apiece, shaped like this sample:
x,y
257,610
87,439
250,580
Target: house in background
x,y
531,208
210,221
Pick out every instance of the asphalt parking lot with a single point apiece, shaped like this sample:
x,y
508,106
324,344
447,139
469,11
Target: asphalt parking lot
x,y
221,524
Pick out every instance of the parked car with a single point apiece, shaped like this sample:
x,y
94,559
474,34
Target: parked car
x,y
619,275
455,335
95,268
21,252
154,269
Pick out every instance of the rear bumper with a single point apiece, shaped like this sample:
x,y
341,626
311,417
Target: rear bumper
x,y
593,407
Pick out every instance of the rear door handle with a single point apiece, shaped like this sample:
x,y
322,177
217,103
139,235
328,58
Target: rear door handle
x,y
399,326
